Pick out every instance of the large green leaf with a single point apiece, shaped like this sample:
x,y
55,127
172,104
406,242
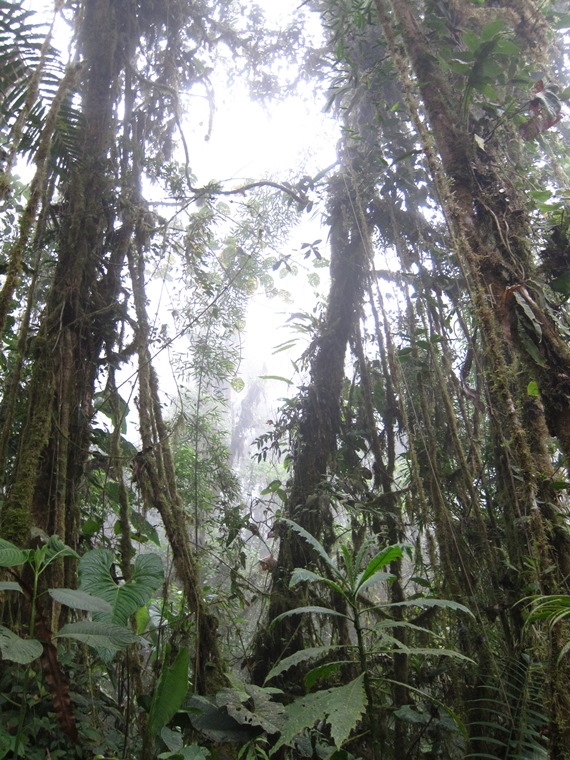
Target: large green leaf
x,y
103,404
264,712
10,555
312,541
529,345
326,670
192,752
306,610
143,527
173,739
104,637
80,600
215,723
373,568
310,653
302,575
377,577
342,707
17,649
170,692
96,579
384,625
55,548
10,586
398,646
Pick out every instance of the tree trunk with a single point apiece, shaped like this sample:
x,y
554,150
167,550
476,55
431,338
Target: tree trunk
x,y
315,442
491,239
55,441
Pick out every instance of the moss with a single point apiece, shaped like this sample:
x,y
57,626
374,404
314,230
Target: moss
x,y
16,522
4,184
17,514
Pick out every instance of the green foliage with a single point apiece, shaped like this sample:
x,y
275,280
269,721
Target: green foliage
x,y
358,575
80,600
178,751
237,714
95,574
169,692
118,416
514,714
262,711
458,490
16,649
104,637
112,609
553,609
341,707
101,733
10,555
303,655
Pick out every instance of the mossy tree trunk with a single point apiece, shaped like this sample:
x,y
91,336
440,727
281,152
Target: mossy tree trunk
x,y
104,222
54,443
318,424
474,333
488,214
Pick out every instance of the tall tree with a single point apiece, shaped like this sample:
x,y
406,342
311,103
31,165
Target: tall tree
x,y
436,412
110,126
442,107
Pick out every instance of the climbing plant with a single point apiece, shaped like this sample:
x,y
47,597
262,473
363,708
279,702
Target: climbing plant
x,y
450,431
433,390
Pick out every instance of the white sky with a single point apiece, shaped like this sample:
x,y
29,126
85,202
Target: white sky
x,y
250,141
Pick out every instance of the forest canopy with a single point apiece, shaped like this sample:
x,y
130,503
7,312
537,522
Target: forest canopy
x,y
377,568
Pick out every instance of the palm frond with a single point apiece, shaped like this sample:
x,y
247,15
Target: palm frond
x,y
508,720
21,41
31,76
